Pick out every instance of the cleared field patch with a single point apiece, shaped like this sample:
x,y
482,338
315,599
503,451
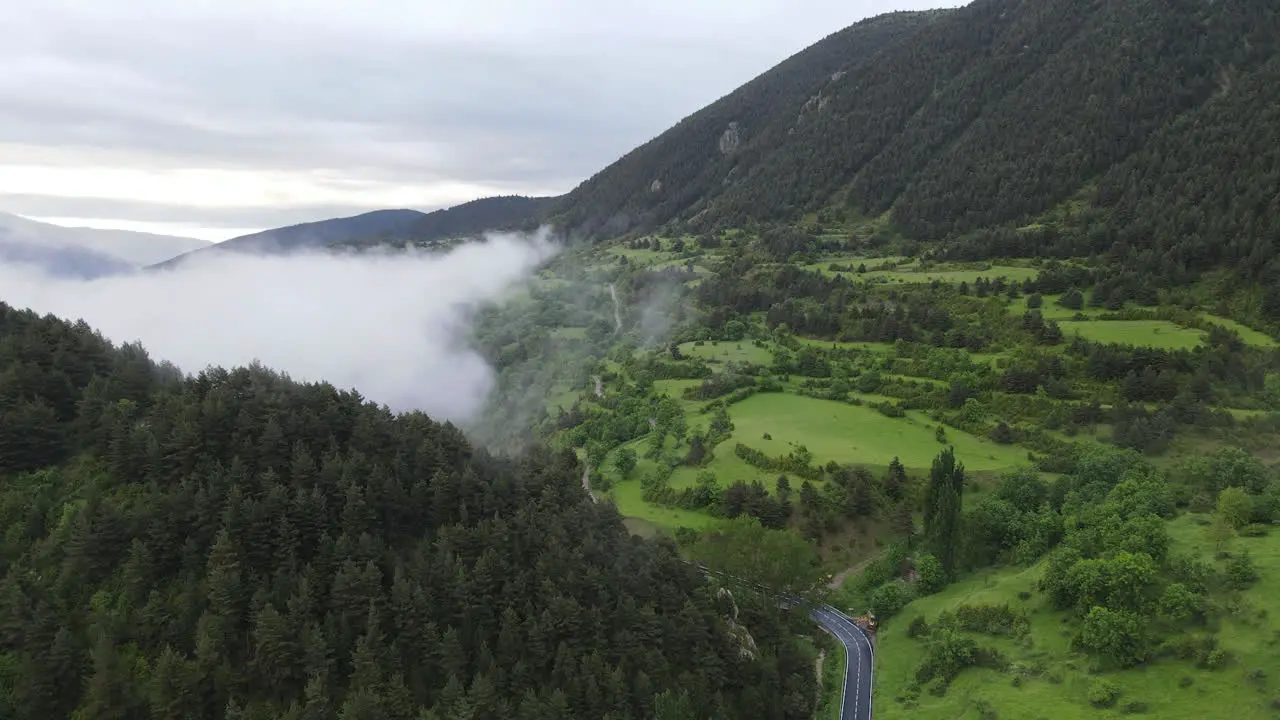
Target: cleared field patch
x,y
1224,693
728,351
561,396
626,495
674,387
853,434
1008,272
1160,334
1247,334
879,347
728,467
569,333
1051,310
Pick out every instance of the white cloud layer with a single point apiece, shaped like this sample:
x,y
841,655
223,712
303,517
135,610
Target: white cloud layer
x,y
391,326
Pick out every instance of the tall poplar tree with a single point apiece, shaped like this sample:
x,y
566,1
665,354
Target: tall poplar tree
x,y
942,505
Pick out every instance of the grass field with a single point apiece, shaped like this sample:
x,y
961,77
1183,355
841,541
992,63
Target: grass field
x,y
1051,310
626,495
740,351
955,276
879,347
1160,334
728,467
569,333
1224,693
561,396
674,388
1248,334
853,434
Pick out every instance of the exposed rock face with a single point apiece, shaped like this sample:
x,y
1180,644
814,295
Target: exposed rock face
x,y
746,644
731,138
655,186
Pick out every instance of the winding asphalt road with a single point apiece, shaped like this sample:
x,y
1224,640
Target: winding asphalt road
x,y
856,703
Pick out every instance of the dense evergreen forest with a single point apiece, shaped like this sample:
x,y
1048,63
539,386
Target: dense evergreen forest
x,y
239,545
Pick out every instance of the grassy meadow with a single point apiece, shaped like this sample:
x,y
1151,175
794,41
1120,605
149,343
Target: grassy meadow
x,y
1058,677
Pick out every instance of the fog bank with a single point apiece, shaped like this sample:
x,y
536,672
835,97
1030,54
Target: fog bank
x,y
391,325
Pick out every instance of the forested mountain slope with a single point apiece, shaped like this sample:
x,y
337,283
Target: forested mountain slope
x,y
1087,120
237,545
693,161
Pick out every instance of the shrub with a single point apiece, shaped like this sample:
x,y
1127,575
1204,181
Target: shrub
x,y
1185,681
918,628
1240,571
1133,707
932,576
988,619
1002,433
889,598
1215,659
1254,530
1103,694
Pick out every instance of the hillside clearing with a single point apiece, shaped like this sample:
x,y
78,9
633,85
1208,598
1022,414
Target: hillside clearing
x,y
853,434
728,351
1159,334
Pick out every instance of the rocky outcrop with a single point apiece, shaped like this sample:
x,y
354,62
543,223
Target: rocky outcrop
x,y
731,138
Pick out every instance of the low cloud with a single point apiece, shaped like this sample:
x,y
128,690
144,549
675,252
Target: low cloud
x,y
393,326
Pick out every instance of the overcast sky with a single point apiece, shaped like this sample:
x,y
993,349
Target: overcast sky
x,y
218,117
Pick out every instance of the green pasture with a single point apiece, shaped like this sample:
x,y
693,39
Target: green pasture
x,y
876,347
728,351
852,434
569,333
1008,272
561,396
1051,310
1160,334
626,494
1247,334
1234,691
728,467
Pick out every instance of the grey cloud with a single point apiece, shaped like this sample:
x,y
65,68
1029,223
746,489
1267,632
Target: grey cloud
x,y
524,97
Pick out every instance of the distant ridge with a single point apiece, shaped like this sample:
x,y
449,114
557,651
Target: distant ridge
x,y
306,236
84,252
504,212
385,227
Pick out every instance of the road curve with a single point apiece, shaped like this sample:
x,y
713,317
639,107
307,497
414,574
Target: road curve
x,y
856,701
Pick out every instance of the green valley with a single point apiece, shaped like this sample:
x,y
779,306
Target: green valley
x,y
967,320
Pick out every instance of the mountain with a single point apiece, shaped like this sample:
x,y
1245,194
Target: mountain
x,y
62,261
507,212
1142,128
84,252
308,236
703,154
387,227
